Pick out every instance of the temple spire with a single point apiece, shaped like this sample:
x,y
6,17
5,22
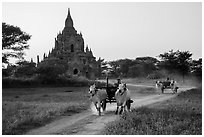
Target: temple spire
x,y
87,49
90,51
68,12
69,21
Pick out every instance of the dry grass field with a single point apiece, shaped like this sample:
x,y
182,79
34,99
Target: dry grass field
x,y
27,108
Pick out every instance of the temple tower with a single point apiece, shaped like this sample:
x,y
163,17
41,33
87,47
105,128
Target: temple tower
x,y
69,46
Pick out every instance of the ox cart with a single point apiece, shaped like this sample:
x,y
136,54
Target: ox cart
x,y
100,95
111,90
167,85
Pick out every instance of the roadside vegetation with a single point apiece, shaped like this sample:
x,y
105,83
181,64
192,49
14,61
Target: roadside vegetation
x,y
179,116
28,108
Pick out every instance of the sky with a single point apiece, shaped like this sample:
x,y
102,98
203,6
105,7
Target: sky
x,y
113,30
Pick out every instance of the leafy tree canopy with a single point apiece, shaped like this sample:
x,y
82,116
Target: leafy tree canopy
x,y
51,68
140,66
176,61
196,67
147,59
14,41
25,69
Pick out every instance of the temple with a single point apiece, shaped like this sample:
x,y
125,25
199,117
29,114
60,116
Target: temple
x,y
69,46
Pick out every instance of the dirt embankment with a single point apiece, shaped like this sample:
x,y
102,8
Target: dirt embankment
x,y
89,123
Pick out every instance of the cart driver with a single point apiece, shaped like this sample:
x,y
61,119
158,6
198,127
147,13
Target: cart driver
x,y
168,79
118,82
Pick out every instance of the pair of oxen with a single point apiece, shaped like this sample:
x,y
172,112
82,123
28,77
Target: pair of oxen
x,y
122,96
168,84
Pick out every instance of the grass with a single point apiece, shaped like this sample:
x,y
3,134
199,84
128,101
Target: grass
x,y
179,116
27,108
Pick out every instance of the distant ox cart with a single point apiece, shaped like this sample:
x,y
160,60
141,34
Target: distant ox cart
x,y
167,84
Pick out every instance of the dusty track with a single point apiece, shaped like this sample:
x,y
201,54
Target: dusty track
x,y
89,123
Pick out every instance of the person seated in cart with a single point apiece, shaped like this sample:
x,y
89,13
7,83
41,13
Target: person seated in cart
x,y
111,90
118,82
167,82
167,79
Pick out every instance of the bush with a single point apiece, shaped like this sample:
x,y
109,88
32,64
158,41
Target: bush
x,y
12,82
50,69
25,69
38,81
6,72
67,80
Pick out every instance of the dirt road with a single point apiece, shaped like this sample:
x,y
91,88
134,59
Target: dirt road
x,y
89,123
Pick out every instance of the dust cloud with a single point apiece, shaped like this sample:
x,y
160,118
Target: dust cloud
x,y
109,108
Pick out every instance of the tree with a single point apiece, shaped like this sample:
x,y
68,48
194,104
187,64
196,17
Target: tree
x,y
147,60
141,66
14,41
124,66
115,65
9,71
25,69
50,69
136,70
176,61
196,67
146,64
169,60
183,59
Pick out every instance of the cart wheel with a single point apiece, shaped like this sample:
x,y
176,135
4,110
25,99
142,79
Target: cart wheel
x,y
176,89
162,89
104,105
128,103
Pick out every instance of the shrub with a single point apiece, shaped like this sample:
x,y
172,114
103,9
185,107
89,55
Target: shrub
x,y
49,70
11,82
25,69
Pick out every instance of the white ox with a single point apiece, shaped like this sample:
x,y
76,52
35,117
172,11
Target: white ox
x,y
98,97
158,84
122,97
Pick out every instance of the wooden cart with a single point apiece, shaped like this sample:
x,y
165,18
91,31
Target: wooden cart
x,y
169,85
